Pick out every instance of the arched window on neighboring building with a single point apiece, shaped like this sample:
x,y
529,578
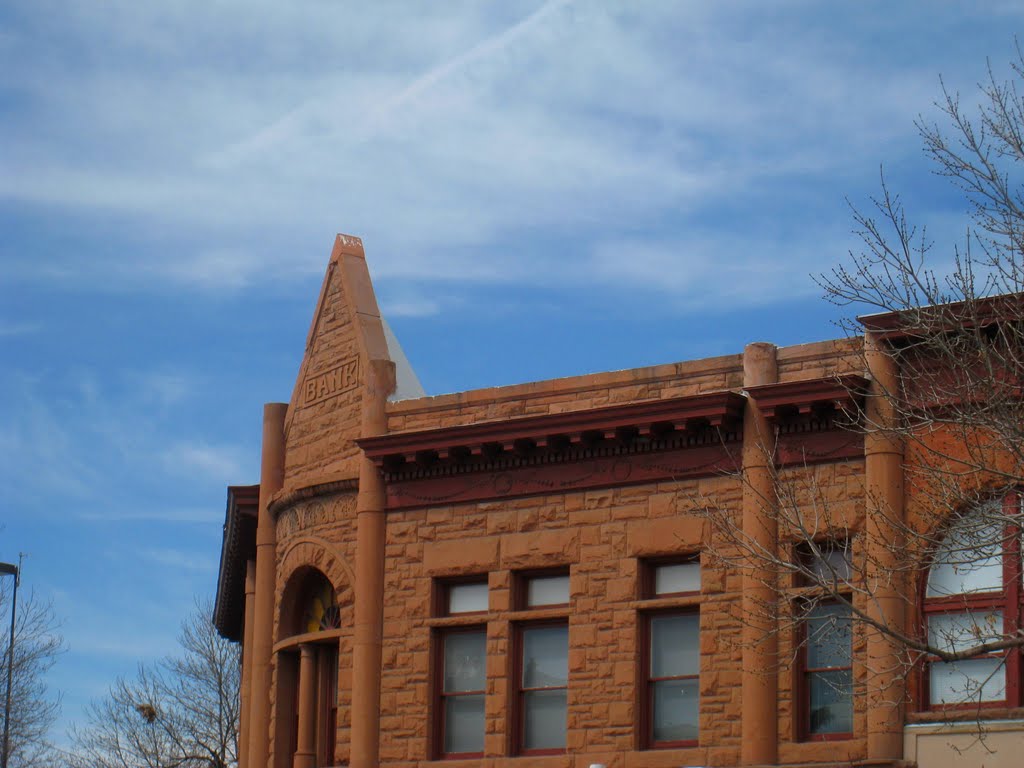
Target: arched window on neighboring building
x,y
973,595
308,667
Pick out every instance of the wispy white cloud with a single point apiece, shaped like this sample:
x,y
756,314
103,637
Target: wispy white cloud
x,y
209,461
91,436
8,328
162,387
150,512
701,272
410,306
435,130
179,559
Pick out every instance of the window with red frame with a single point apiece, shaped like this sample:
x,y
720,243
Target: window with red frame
x,y
826,563
670,700
462,597
541,687
826,672
972,596
461,692
548,589
672,679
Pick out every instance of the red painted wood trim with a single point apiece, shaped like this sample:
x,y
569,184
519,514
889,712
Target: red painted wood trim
x,y
716,408
560,477
961,314
818,447
842,391
609,471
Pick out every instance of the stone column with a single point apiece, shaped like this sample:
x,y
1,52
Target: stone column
x,y
305,752
271,480
246,685
759,711
883,477
369,586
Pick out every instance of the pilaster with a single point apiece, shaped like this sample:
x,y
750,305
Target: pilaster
x,y
246,683
759,714
883,469
369,586
271,480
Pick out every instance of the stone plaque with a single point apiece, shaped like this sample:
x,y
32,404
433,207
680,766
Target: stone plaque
x,y
323,386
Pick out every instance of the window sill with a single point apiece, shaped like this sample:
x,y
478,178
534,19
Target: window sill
x,y
825,737
661,745
659,603
970,714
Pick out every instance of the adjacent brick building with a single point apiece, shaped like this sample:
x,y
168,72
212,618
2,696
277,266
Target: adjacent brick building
x,y
528,575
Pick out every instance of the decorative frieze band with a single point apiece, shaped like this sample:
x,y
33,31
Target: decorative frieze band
x,y
643,442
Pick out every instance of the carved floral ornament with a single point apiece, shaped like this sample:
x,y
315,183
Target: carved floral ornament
x,y
306,516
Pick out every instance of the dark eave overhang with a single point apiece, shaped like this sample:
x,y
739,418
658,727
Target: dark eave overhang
x,y
557,431
237,548
923,321
803,398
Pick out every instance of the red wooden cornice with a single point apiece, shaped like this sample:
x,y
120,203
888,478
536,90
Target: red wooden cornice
x,y
777,401
924,321
238,546
642,419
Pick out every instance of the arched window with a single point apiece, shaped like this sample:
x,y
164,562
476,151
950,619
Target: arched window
x,y
308,666
973,596
321,609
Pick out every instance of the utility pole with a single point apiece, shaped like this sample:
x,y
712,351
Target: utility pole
x,y
11,570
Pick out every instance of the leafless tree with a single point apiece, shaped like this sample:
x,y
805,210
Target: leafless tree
x,y
34,708
179,713
950,320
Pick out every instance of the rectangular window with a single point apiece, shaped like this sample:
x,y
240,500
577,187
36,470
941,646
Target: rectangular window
x,y
826,672
464,597
461,689
545,591
824,563
974,681
669,579
672,679
542,685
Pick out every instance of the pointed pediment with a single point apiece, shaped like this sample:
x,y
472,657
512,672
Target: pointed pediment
x,y
346,334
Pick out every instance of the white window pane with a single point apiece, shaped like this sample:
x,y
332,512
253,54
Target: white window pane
x,y
464,724
465,655
679,577
675,645
467,598
960,631
970,557
675,712
545,656
967,682
544,718
547,590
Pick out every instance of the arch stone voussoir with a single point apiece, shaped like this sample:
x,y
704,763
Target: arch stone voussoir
x,y
315,552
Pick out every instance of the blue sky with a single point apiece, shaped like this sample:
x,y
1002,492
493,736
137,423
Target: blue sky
x,y
543,189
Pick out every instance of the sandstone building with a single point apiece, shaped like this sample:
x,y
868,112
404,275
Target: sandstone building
x,y
529,575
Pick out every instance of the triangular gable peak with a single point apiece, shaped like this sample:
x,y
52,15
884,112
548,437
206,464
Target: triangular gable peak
x,y
346,334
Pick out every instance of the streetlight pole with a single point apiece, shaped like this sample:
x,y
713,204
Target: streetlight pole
x,y
11,570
